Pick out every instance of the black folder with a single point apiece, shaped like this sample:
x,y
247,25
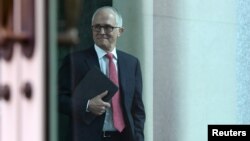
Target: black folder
x,y
91,85
94,83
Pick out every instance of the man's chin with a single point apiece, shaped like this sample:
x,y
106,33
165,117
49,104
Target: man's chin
x,y
104,47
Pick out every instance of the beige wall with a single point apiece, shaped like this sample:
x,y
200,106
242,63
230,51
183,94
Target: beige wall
x,y
194,61
192,44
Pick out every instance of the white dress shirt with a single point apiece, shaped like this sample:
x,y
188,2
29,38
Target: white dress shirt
x,y
103,61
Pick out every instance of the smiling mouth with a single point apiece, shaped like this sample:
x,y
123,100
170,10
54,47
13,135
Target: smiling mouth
x,y
102,38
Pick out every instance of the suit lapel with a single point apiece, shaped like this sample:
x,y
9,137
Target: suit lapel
x,y
122,66
92,59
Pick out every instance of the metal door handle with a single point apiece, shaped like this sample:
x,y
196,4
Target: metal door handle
x,y
6,12
8,37
27,90
5,92
27,27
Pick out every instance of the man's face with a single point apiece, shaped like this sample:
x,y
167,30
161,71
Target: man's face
x,y
104,35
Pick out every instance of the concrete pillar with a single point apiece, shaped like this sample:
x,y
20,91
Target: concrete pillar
x,y
243,64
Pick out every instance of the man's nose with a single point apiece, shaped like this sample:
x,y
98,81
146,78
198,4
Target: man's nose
x,y
102,30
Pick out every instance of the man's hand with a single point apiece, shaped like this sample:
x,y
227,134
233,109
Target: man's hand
x,y
97,106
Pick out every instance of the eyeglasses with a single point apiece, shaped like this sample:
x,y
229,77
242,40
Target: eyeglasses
x,y
107,28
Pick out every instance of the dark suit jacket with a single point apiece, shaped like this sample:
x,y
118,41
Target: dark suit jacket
x,y
74,69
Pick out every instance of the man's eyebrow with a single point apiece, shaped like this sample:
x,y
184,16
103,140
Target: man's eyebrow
x,y
103,25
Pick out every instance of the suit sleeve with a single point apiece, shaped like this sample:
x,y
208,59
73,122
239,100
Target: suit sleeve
x,y
138,110
69,104
64,88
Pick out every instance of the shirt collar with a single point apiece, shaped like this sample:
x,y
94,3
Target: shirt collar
x,y
100,52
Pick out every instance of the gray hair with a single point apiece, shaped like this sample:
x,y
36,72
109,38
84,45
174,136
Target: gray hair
x,y
118,17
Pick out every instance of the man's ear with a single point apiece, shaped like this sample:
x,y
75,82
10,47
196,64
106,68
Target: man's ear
x,y
121,30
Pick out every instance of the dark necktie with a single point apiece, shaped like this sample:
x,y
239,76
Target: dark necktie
x,y
116,100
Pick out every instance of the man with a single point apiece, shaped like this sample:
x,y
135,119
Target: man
x,y
122,68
